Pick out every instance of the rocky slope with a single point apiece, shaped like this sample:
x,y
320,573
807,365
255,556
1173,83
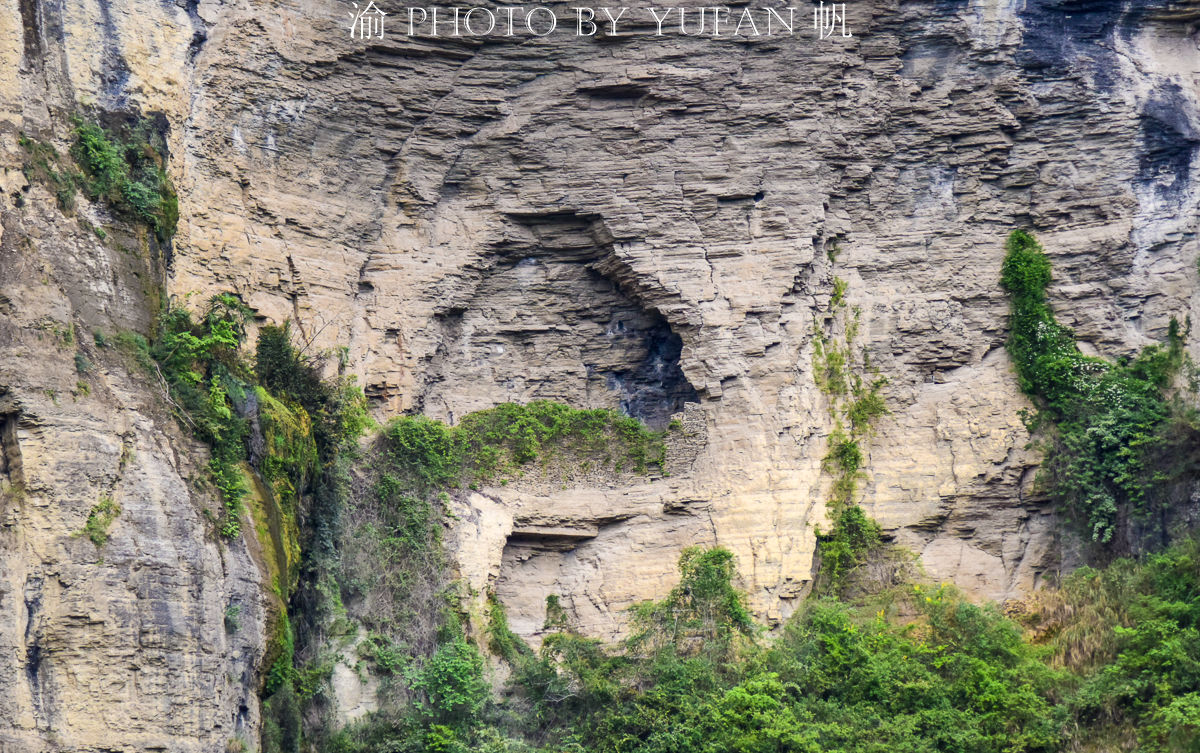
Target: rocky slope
x,y
649,223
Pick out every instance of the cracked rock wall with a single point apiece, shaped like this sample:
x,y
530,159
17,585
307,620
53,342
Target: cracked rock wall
x,y
120,644
395,196
477,221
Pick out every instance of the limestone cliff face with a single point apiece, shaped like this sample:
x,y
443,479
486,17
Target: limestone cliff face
x,y
648,223
150,636
645,222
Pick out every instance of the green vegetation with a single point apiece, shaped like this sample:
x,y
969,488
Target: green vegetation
x,y
99,520
233,618
207,377
940,674
125,168
1115,439
392,568
127,173
1131,635
854,391
694,679
493,443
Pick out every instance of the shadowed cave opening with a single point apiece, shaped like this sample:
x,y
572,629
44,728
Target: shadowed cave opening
x,y
10,450
539,320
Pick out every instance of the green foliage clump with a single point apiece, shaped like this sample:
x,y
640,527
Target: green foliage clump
x,y
282,729
960,678
490,443
129,174
1149,676
853,537
336,406
950,676
424,450
499,439
205,374
453,685
101,517
290,458
1116,439
704,607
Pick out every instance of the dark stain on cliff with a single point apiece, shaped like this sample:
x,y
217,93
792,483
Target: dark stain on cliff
x,y
33,649
1057,31
200,29
1168,143
10,451
33,36
114,71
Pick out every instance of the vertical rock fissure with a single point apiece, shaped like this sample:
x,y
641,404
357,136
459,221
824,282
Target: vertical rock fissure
x,y
33,648
10,451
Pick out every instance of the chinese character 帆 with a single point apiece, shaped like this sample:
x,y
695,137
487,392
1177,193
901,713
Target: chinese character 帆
x,y
826,20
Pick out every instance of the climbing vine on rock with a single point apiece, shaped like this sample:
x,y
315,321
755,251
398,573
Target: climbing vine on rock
x,y
853,387
1115,436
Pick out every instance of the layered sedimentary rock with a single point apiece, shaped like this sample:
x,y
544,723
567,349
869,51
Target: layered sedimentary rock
x,y
649,223
525,217
125,623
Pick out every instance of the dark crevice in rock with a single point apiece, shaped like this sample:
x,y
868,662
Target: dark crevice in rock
x,y
10,450
33,37
33,650
200,33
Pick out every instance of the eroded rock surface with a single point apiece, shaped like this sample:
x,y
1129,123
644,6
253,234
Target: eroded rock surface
x,y
585,219
144,632
477,221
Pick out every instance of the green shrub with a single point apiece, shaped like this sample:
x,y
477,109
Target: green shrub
x,y
453,684
491,443
337,407
282,730
704,607
99,520
1116,440
853,537
128,174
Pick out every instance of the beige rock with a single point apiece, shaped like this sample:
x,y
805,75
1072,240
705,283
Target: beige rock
x,y
477,222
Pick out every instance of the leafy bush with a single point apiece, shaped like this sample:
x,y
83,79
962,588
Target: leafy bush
x,y
452,680
128,174
704,607
337,406
100,519
1151,679
202,367
1116,439
852,538
498,441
